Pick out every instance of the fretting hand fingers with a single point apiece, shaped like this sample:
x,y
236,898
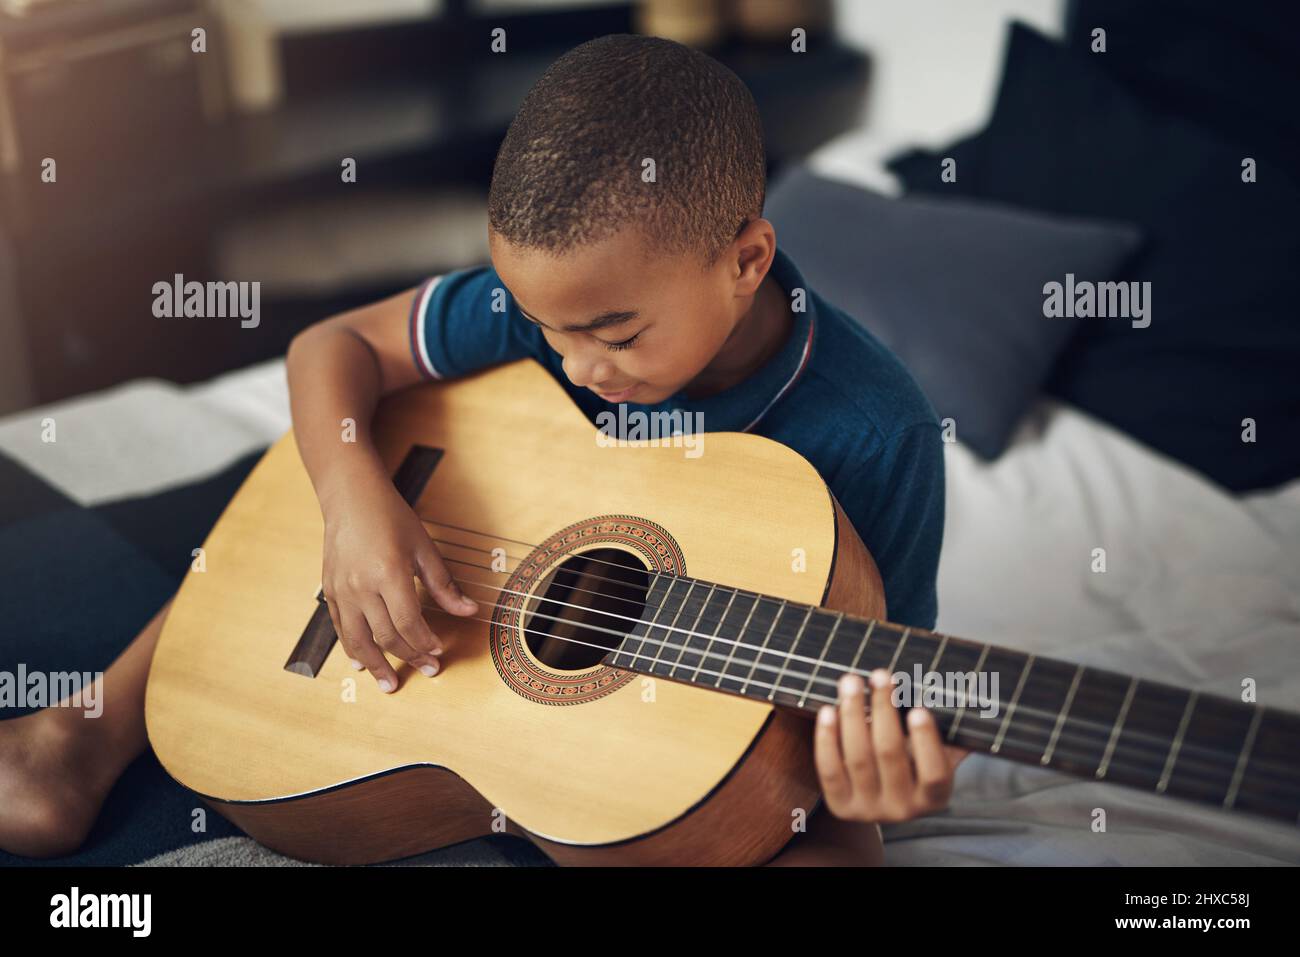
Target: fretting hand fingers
x,y
855,738
865,768
933,772
896,778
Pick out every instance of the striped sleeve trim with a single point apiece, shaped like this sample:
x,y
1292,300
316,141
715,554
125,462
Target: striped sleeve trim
x,y
417,326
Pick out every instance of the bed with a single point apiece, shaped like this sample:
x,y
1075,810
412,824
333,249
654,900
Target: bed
x,y
1201,587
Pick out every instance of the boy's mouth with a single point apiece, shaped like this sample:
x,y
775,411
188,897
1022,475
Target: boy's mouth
x,y
620,396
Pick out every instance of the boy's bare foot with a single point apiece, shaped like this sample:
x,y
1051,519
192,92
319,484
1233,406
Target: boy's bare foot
x,y
52,782
57,765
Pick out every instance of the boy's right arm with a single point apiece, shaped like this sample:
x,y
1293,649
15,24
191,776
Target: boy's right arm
x,y
375,545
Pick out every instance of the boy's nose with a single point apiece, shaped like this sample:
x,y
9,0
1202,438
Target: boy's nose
x,y
585,370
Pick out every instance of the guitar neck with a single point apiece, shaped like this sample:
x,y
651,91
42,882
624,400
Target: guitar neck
x,y
1084,721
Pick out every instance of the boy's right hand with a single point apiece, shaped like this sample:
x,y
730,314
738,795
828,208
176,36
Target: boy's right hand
x,y
375,548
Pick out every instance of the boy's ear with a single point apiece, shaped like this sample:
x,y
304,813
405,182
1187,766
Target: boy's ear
x,y
755,249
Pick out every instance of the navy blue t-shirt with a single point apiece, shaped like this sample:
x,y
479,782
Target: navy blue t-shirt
x,y
833,393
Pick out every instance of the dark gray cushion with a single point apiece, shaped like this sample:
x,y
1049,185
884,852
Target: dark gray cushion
x,y
953,287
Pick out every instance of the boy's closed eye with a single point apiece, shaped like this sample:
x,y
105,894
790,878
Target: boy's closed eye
x,y
624,344
615,346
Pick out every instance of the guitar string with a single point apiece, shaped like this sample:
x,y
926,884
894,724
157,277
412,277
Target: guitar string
x,y
1021,707
1186,759
760,652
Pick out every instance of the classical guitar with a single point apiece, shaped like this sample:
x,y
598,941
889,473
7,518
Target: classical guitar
x,y
656,631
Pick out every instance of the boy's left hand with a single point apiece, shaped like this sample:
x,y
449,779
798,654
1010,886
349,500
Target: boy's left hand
x,y
865,769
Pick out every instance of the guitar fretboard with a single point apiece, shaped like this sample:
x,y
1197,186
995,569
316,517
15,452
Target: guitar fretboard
x,y
1085,721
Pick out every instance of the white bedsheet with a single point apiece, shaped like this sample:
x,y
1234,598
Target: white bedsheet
x,y
1201,589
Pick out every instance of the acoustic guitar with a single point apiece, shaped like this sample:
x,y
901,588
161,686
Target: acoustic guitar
x,y
656,632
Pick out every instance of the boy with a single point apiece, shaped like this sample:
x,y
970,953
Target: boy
x,y
630,258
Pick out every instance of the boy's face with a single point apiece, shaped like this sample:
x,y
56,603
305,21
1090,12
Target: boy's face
x,y
630,325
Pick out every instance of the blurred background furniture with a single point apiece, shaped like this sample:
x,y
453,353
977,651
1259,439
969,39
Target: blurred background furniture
x,y
155,176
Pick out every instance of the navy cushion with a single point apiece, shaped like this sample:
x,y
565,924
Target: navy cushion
x,y
1230,67
953,288
1223,344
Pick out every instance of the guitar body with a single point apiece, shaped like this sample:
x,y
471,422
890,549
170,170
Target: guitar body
x,y
594,764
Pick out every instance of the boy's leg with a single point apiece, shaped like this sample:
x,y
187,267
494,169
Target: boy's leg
x,y
57,765
832,842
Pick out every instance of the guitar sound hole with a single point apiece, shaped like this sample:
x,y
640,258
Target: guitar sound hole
x,y
584,608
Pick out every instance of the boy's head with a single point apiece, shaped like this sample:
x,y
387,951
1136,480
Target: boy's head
x,y
630,186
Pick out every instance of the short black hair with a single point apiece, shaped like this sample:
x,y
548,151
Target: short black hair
x,y
569,171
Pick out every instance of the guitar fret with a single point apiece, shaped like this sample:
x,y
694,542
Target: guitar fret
x,y
1178,742
763,647
689,632
939,707
1216,732
821,659
1020,686
866,639
776,682
1148,729
708,654
650,639
956,721
1060,718
737,644
934,662
1089,726
1114,735
1240,769
893,662
1270,781
625,648
878,652
671,629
